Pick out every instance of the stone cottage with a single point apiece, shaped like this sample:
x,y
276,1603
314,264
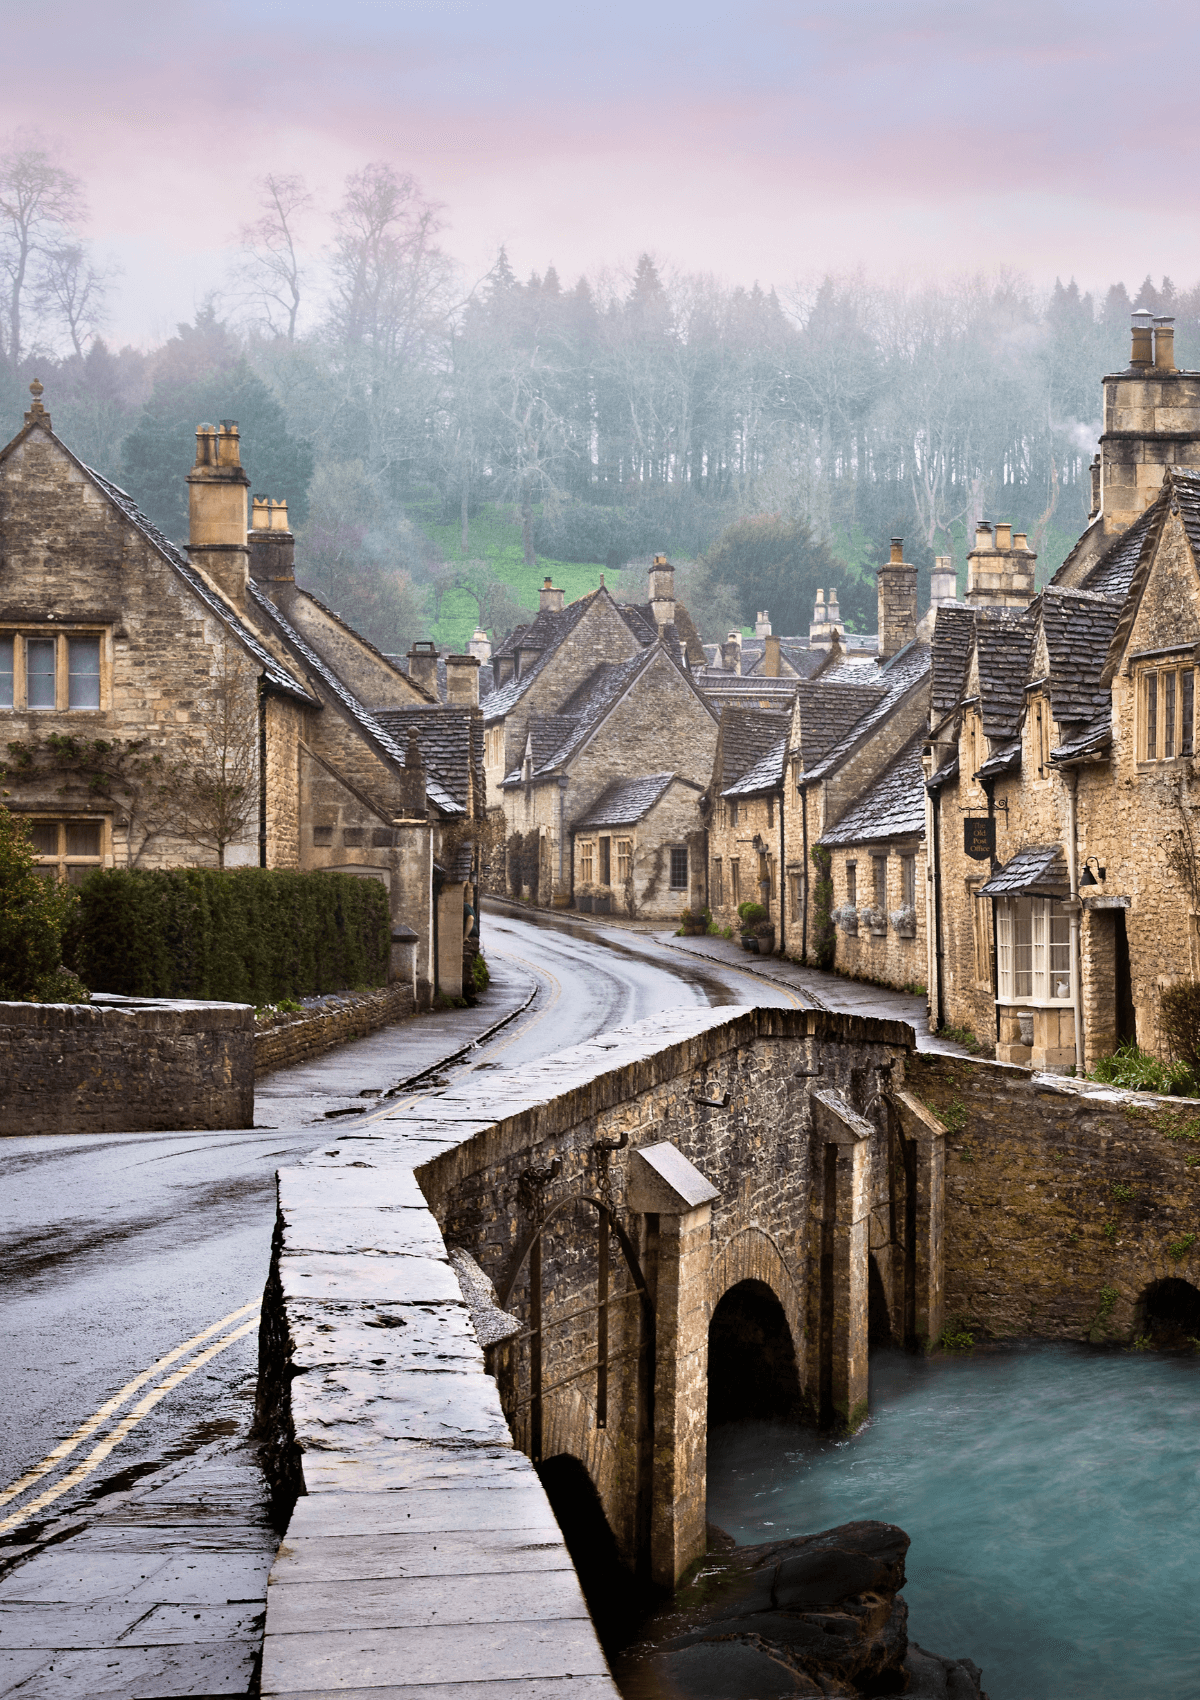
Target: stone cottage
x,y
168,707
638,849
1063,890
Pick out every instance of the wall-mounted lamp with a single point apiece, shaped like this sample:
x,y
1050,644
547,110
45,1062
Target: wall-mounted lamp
x,y
1087,877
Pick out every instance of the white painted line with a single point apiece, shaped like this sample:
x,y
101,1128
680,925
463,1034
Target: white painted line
x,y
88,1428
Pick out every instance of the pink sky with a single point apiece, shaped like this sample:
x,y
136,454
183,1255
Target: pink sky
x,y
771,141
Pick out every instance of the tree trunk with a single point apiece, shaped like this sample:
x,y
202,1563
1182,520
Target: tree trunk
x,y
465,526
527,525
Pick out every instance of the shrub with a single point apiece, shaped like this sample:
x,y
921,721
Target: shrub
x,y
248,935
751,914
1180,1016
824,933
35,913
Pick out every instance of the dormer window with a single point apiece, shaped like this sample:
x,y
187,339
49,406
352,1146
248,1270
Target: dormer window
x,y
1166,713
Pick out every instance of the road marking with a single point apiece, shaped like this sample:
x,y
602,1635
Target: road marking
x,y
143,1407
66,1447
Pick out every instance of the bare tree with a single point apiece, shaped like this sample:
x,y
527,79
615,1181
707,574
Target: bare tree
x,y
209,796
74,289
389,274
270,267
40,203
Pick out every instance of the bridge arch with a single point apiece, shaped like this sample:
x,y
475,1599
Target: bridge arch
x,y
752,1365
1167,1313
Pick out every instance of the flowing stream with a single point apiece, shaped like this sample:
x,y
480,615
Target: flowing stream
x,y
1052,1493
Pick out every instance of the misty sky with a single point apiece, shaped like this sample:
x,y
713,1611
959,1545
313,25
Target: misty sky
x,y
761,140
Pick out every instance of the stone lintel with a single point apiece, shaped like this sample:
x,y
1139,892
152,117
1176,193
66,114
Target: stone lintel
x,y
836,1122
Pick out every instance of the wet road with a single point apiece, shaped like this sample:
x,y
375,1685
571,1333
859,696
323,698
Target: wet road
x,y
132,1268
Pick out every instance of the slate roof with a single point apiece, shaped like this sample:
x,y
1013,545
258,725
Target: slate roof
x,y
723,687
368,722
1079,627
828,709
450,741
639,617
273,671
766,774
1113,573
747,734
898,675
393,661
1004,759
894,807
556,737
953,632
944,774
1038,870
1086,741
626,800
547,630
1004,642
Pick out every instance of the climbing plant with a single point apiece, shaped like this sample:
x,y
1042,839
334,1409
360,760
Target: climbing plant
x,y
824,931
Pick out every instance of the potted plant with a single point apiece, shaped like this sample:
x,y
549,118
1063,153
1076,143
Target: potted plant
x,y
874,920
751,914
764,933
846,918
904,921
693,923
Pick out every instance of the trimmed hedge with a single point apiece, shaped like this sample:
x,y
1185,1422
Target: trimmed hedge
x,y
244,935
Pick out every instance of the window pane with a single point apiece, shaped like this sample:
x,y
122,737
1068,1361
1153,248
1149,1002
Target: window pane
x,y
83,838
44,834
6,672
679,868
625,859
1151,717
83,676
1022,948
39,672
80,871
908,881
879,870
1187,723
1060,952
1168,709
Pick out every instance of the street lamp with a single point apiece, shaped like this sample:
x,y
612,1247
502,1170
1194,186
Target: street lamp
x,y
1087,877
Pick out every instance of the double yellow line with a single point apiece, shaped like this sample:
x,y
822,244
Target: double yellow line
x,y
114,1437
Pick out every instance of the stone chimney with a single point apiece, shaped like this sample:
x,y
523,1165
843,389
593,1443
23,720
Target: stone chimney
x,y
550,599
897,588
527,657
762,624
217,486
771,659
412,782
1142,352
422,667
1164,344
662,591
943,581
1000,569
731,653
480,645
826,622
272,550
462,680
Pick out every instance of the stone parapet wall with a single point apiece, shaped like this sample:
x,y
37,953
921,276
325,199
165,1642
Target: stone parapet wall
x,y
125,1066
352,1015
1064,1198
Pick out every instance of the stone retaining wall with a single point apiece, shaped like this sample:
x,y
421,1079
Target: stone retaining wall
x,y
1065,1200
125,1066
352,1015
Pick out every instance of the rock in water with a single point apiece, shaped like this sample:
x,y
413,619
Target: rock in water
x,y
818,1615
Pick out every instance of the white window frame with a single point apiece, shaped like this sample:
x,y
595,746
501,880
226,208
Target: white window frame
x,y
1044,915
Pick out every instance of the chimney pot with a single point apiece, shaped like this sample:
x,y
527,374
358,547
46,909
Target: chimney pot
x,y
550,599
771,659
218,521
480,645
1004,535
422,667
1164,344
897,549
279,517
983,535
1142,353
260,514
1020,540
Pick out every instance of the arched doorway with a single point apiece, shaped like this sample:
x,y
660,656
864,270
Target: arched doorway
x,y
751,1360
609,1587
1168,1315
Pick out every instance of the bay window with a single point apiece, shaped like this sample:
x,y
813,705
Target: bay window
x,y
1033,950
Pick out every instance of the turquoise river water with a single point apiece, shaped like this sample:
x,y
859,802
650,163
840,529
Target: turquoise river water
x,y
1052,1494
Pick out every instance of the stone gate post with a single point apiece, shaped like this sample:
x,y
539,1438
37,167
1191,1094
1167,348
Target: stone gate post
x,y
928,1208
674,1196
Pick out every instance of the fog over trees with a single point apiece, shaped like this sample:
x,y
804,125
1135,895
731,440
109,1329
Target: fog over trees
x,y
771,438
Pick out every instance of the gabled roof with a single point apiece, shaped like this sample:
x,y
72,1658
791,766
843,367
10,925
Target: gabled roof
x,y
545,632
746,735
639,617
953,633
627,800
367,722
1181,491
894,807
1006,758
1113,573
829,708
945,773
1079,627
450,741
766,775
393,661
729,687
275,674
1091,740
1003,645
899,675
1039,869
